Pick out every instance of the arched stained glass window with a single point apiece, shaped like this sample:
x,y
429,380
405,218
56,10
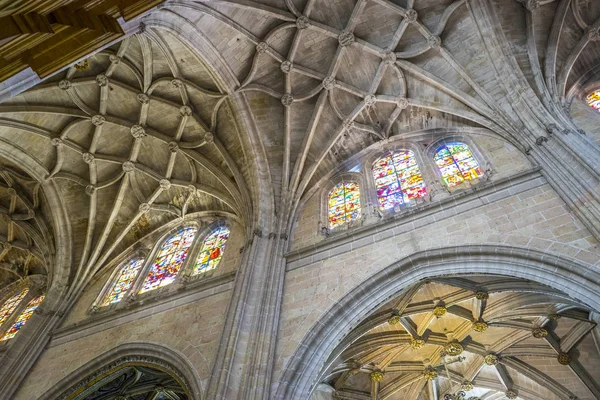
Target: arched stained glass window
x,y
398,179
23,318
343,203
593,100
169,259
9,306
212,251
124,281
457,164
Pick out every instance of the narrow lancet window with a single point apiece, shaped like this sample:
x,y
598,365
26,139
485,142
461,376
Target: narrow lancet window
x,y
212,251
398,179
343,204
457,164
23,318
169,259
123,282
11,304
593,100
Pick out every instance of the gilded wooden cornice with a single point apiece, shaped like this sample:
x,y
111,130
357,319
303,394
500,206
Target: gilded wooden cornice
x,y
48,35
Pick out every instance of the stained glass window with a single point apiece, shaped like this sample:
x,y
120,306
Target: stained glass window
x,y
23,318
398,179
457,164
124,281
212,251
9,307
169,259
343,203
593,100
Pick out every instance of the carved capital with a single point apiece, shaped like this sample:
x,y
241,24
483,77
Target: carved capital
x,y
138,131
302,22
563,358
411,16
165,184
376,376
65,84
434,42
346,38
101,80
185,111
128,166
286,66
539,333
491,359
329,83
370,100
389,58
287,99
98,120
262,47
88,158
143,98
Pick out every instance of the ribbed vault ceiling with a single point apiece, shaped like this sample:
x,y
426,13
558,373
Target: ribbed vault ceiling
x,y
512,310
327,79
141,138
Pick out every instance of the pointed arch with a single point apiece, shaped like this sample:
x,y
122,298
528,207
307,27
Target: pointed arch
x,y
11,304
456,163
327,334
212,250
23,318
122,282
131,354
593,100
398,179
343,203
169,259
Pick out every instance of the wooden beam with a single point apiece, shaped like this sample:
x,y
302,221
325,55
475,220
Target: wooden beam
x,y
20,24
85,20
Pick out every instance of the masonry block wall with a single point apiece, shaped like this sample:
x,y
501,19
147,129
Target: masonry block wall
x,y
521,211
189,321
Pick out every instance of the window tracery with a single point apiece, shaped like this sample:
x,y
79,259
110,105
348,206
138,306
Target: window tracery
x,y
343,204
593,100
457,164
212,251
124,281
169,259
23,318
398,179
11,304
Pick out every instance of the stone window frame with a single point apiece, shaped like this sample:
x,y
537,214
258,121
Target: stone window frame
x,y
583,93
328,186
149,253
484,162
426,173
34,291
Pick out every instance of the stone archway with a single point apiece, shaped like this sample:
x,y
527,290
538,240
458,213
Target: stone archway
x,y
165,369
308,362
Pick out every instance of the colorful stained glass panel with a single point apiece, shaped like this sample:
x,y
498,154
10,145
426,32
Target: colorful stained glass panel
x,y
9,306
169,259
398,179
125,279
344,203
457,164
23,318
212,251
593,100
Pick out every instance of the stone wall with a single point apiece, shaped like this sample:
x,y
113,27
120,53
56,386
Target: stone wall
x,y
189,320
504,158
522,211
194,329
